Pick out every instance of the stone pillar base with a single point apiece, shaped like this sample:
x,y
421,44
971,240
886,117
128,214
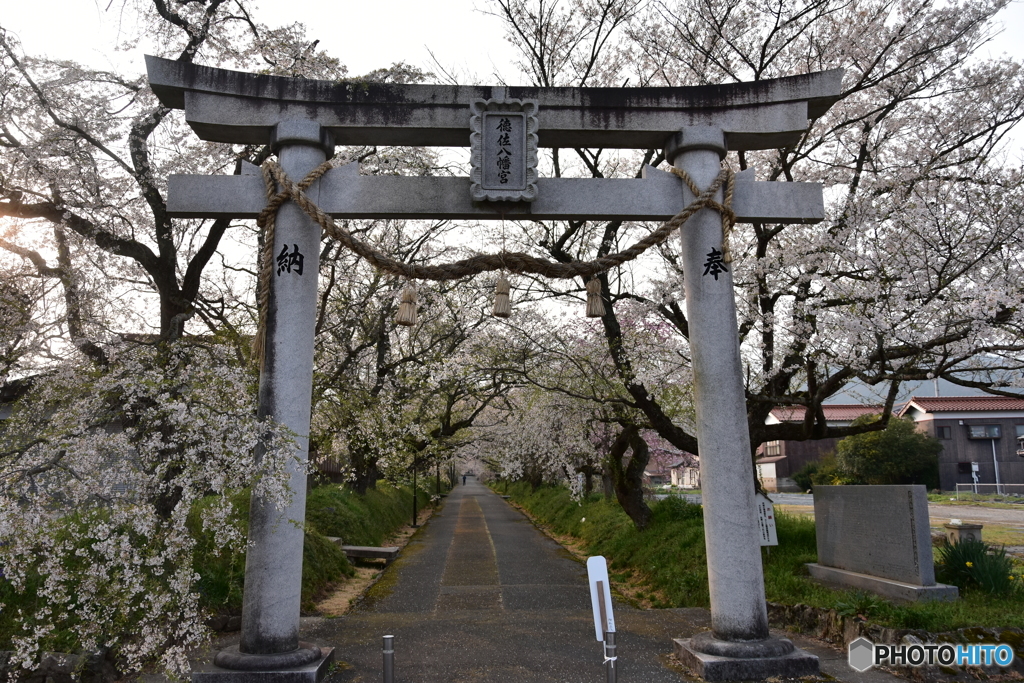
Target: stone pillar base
x,y
205,671
746,661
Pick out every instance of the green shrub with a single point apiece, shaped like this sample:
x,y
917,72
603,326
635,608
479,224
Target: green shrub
x,y
222,570
803,478
323,563
676,509
361,520
975,565
330,511
830,473
898,454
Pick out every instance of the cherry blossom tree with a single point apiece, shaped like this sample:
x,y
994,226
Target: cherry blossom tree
x,y
87,154
84,218
389,399
538,436
100,470
915,272
122,432
573,419
20,334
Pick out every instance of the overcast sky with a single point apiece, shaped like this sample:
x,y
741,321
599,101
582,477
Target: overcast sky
x,y
363,35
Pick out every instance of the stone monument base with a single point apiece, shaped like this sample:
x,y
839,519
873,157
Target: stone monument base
x,y
744,661
884,587
205,671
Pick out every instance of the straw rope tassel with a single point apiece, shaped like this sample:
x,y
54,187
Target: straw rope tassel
x,y
595,306
502,304
407,309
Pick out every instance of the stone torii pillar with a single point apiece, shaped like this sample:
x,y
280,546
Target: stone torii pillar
x,y
696,126
739,646
273,562
273,567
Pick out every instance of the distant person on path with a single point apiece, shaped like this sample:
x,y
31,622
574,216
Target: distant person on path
x,y
463,479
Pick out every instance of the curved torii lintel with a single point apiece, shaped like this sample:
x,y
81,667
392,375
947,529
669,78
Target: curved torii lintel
x,y
236,107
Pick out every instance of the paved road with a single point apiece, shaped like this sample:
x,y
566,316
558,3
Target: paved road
x,y
777,498
481,595
940,514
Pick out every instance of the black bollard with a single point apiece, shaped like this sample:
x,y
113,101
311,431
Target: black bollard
x,y
609,656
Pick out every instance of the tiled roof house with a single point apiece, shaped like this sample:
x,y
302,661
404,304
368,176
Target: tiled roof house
x,y
979,434
780,460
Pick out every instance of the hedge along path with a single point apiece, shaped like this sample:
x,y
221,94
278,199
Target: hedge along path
x,y
514,262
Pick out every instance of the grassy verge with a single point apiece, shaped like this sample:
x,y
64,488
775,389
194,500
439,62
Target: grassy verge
x,y
330,511
989,500
669,560
361,520
997,534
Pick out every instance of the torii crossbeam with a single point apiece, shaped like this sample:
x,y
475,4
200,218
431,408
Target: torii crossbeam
x,y
303,120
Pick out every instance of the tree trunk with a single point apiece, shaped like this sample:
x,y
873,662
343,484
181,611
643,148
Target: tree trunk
x,y
607,483
588,479
535,476
366,473
628,480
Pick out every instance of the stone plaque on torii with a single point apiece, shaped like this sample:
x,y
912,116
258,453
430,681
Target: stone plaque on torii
x,y
303,119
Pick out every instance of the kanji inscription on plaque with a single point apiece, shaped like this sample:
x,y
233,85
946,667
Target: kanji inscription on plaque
x,y
503,150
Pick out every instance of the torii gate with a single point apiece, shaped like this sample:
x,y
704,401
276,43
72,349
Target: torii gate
x,y
303,119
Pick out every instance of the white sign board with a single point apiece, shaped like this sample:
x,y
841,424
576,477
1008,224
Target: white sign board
x,y
766,520
600,596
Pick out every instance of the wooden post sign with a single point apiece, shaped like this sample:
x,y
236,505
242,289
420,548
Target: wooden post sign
x,y
766,520
600,596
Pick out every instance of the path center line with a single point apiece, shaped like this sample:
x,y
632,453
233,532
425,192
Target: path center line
x,y
470,579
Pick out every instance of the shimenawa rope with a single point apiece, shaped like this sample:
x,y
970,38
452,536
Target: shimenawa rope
x,y
515,262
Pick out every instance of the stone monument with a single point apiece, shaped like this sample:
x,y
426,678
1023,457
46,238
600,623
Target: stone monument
x,y
303,119
877,538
